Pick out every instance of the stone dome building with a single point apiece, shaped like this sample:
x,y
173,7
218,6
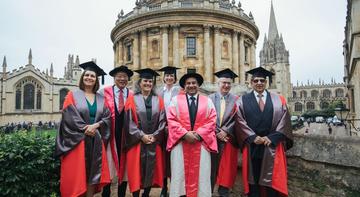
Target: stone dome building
x,y
201,35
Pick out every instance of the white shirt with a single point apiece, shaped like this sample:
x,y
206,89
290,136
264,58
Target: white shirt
x,y
264,95
189,99
117,93
167,95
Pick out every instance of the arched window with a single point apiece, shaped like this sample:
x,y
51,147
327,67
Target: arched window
x,y
273,84
38,99
298,107
294,94
29,96
339,93
310,105
327,93
324,105
314,93
225,49
303,94
18,98
63,93
155,49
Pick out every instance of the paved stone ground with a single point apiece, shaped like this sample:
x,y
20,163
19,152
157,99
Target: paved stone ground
x,y
322,129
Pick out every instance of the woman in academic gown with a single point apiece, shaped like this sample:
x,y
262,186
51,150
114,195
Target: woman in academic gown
x,y
82,137
144,135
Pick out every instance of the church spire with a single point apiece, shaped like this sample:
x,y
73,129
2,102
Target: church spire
x,y
273,31
30,57
4,62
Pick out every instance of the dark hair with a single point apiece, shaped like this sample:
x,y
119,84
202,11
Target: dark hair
x,y
138,89
82,85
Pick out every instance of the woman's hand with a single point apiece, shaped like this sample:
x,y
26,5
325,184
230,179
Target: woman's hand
x,y
147,139
90,130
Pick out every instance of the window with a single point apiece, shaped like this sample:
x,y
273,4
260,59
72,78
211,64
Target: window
x,y
314,93
155,49
191,70
128,52
29,96
246,54
63,93
324,105
327,93
303,94
298,107
18,99
310,106
294,94
190,46
225,49
38,99
339,93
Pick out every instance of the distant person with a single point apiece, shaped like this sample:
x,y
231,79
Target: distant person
x,y
308,122
329,129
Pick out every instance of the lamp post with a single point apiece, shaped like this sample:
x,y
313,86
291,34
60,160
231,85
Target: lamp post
x,y
339,110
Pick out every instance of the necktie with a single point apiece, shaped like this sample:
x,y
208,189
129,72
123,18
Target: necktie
x,y
192,111
261,102
222,108
121,101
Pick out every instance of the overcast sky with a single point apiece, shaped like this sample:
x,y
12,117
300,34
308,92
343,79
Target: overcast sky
x,y
313,32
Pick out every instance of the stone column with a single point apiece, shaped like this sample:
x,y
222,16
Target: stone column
x,y
165,42
252,55
235,54
176,53
217,48
136,62
144,49
207,57
116,53
121,53
242,59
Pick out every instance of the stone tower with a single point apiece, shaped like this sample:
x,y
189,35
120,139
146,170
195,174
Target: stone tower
x,y
72,70
275,57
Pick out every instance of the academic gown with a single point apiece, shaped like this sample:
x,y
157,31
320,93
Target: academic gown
x,y
224,163
144,162
83,158
115,149
273,122
191,163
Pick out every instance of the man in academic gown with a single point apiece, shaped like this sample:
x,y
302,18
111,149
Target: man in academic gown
x,y
167,92
263,130
115,98
224,163
191,124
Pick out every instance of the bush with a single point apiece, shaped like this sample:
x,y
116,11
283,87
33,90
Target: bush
x,y
28,167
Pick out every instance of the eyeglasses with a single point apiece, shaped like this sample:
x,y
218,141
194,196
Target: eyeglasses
x,y
257,80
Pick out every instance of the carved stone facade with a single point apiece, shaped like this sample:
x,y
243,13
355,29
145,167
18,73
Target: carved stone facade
x,y
352,59
203,35
275,57
316,96
31,95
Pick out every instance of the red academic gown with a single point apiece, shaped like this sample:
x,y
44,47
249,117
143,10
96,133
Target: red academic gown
x,y
145,163
71,146
119,163
179,124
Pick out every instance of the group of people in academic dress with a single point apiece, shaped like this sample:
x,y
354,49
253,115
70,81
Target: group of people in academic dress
x,y
145,137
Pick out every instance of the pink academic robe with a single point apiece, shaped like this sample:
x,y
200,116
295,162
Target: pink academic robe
x,y
179,124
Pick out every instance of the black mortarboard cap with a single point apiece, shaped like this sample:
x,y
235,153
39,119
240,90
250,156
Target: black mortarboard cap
x,y
169,70
94,67
191,73
226,73
123,69
261,72
147,73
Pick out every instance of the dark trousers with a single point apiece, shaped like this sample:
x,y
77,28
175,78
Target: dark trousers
x,y
145,194
164,190
121,190
223,191
256,190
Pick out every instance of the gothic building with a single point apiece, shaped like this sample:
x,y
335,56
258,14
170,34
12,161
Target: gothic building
x,y
201,35
275,57
28,94
352,59
316,96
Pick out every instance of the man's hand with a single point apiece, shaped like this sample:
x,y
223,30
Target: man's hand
x,y
259,140
190,137
267,141
223,136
